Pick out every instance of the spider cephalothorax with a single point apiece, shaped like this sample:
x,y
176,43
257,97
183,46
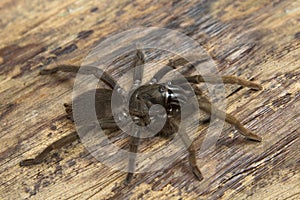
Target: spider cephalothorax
x,y
168,96
141,99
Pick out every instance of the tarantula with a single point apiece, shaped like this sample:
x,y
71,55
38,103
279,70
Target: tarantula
x,y
141,99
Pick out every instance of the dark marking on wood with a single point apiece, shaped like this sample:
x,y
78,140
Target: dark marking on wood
x,y
71,163
100,21
282,100
53,127
234,92
94,9
84,34
49,60
61,51
58,169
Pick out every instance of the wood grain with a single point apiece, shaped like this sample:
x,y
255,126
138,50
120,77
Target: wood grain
x,y
255,39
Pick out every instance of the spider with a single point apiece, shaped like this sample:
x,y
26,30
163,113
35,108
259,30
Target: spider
x,y
140,101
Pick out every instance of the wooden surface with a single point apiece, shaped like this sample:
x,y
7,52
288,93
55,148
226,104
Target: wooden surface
x,y
257,39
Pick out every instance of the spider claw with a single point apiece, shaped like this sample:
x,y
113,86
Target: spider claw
x,y
197,173
256,86
28,162
129,178
248,134
255,138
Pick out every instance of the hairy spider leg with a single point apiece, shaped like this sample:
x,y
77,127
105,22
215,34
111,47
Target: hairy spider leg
x,y
106,123
166,69
98,73
163,71
134,142
134,139
55,145
205,105
191,149
224,79
138,71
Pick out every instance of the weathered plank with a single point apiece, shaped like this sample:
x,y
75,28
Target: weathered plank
x,y
250,39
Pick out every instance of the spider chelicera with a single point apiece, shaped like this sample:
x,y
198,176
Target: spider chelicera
x,y
141,99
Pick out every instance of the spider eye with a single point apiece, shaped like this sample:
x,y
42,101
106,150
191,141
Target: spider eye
x,y
162,89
